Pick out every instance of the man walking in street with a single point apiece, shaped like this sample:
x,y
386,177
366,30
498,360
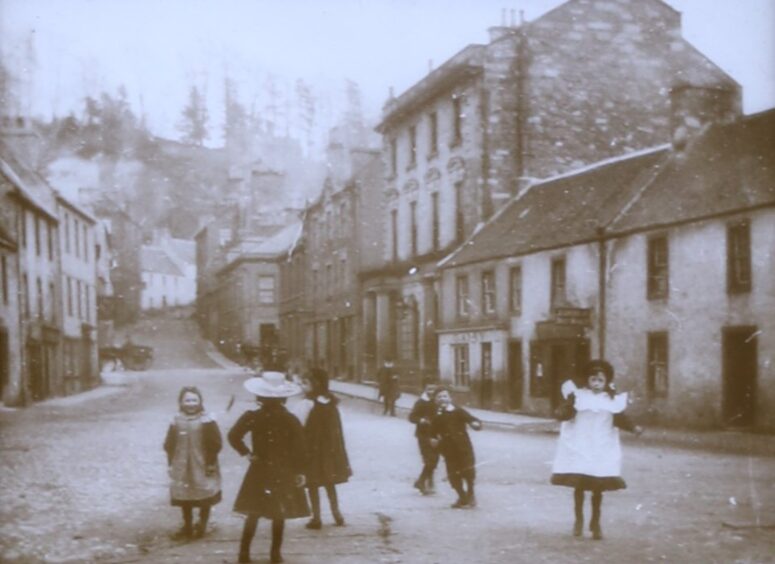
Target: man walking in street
x,y
389,387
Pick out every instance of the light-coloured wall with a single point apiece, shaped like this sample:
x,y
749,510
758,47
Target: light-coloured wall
x,y
410,184
697,309
582,289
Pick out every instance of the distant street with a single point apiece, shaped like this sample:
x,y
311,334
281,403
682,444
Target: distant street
x,y
85,480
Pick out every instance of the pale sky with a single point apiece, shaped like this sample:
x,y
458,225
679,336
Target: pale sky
x,y
157,48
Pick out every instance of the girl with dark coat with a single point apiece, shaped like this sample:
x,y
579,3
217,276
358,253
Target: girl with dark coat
x,y
327,462
589,456
192,445
273,485
449,434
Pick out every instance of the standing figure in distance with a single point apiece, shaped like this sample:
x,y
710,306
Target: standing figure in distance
x,y
449,434
589,455
389,387
327,462
192,445
273,487
422,415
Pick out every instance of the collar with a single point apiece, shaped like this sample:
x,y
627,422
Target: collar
x,y
323,399
425,397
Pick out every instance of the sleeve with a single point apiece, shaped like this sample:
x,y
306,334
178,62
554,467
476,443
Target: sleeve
x,y
170,442
238,432
416,414
468,418
622,421
212,442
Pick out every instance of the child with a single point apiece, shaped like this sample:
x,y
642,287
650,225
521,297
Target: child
x,y
273,485
589,455
192,445
327,462
448,432
422,414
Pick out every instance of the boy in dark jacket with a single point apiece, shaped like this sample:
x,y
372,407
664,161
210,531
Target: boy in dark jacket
x,y
422,415
449,432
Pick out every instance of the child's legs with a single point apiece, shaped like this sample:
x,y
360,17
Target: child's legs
x,y
453,475
597,501
333,500
248,532
469,476
578,504
188,515
314,501
204,515
278,526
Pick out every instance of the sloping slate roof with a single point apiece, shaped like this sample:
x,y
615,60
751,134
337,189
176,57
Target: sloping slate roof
x,y
730,167
29,183
561,211
154,259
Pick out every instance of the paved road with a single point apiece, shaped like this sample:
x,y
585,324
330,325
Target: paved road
x,y
85,480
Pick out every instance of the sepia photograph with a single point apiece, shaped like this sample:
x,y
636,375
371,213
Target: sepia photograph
x,y
397,281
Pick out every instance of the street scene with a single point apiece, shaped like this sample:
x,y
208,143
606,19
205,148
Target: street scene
x,y
110,502
399,281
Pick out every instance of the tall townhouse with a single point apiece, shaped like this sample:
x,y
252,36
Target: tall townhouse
x,y
78,287
10,344
338,233
589,80
38,275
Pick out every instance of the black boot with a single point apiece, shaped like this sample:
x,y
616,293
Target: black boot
x,y
333,501
578,506
201,526
248,532
278,526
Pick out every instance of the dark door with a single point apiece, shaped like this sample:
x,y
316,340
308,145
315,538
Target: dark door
x,y
558,371
739,349
515,375
486,364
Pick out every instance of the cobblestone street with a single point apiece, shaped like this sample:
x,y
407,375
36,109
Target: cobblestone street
x,y
84,480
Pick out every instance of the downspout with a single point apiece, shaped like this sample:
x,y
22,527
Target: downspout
x,y
601,291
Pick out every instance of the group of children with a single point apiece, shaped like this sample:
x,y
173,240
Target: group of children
x,y
288,452
588,456
304,448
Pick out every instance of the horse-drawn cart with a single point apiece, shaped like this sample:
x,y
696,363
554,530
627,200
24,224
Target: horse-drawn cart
x,y
129,356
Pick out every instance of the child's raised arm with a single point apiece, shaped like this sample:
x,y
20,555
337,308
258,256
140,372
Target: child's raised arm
x,y
473,422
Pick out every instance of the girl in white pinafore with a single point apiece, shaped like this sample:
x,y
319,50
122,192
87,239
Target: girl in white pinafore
x,y
589,455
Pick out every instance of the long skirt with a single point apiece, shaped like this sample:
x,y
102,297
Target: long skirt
x,y
277,501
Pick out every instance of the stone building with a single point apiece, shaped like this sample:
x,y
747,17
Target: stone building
x,y
588,80
38,271
10,343
78,251
338,234
246,292
659,261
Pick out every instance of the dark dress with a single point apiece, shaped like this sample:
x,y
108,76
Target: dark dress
x,y
454,443
269,489
327,461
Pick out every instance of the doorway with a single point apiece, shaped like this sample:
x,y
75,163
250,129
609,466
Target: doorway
x,y
486,364
516,375
739,350
553,361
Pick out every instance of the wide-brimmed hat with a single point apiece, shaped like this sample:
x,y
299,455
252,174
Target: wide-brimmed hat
x,y
271,385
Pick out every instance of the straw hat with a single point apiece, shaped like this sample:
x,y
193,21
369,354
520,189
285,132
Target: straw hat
x,y
271,385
